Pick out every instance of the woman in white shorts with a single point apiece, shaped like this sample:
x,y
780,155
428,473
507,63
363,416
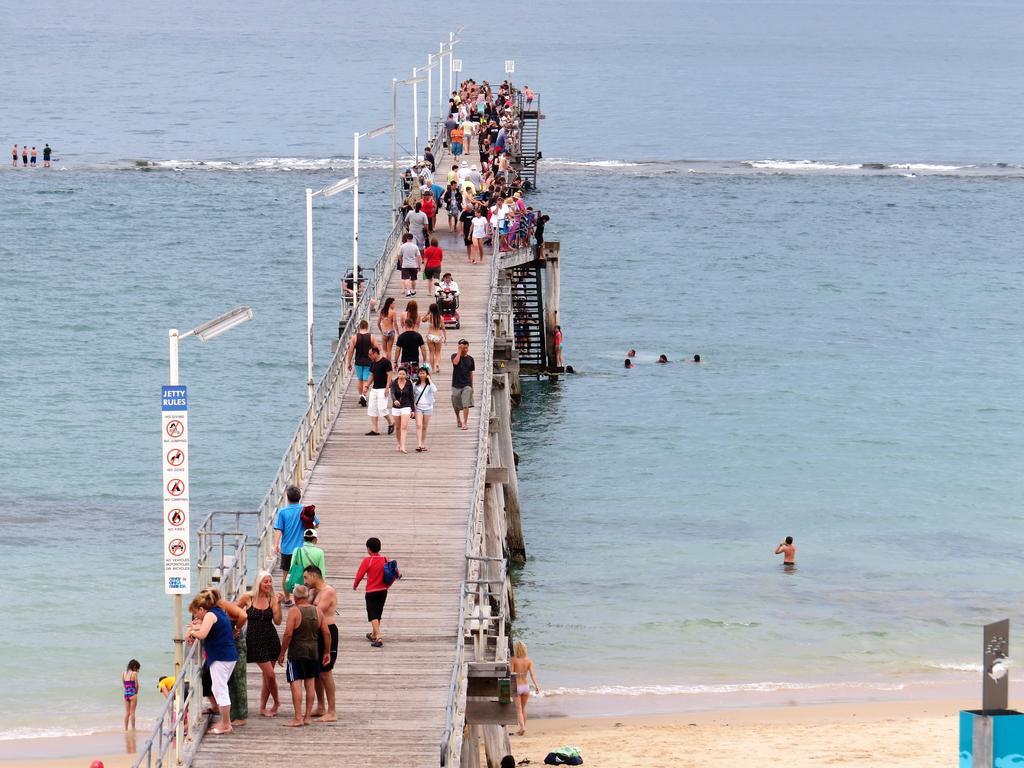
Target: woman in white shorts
x,y
402,399
426,391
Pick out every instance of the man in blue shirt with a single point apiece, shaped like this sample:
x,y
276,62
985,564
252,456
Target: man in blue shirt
x,y
288,530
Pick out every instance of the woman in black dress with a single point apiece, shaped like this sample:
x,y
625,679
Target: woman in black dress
x,y
263,607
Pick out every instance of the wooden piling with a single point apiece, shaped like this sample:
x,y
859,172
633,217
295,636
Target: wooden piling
x,y
550,255
502,405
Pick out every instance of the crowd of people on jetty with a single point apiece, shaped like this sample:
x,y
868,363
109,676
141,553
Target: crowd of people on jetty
x,y
245,631
394,372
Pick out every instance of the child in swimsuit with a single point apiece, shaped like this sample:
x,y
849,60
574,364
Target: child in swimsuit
x,y
130,680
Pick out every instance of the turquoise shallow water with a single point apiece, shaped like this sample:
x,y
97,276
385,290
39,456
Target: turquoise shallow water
x,y
860,330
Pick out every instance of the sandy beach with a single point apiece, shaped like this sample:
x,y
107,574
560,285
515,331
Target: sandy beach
x,y
905,734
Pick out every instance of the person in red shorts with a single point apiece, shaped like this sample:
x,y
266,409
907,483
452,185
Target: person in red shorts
x,y
372,568
433,255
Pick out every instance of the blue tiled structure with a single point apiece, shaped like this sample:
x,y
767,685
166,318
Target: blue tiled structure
x,y
1004,729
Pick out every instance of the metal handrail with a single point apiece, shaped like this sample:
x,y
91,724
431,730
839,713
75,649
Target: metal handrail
x,y
451,741
186,727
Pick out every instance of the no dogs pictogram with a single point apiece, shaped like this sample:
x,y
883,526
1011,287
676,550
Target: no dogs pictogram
x,y
175,428
176,517
175,457
176,487
176,547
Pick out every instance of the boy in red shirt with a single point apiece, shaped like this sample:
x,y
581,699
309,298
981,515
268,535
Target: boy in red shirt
x,y
432,258
372,568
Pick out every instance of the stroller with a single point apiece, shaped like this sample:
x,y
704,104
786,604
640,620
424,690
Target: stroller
x,y
447,298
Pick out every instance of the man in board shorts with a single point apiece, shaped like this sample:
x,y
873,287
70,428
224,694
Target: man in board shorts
x,y
457,136
462,384
288,534
304,623
326,599
359,354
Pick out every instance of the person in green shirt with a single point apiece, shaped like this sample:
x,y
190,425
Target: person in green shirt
x,y
308,554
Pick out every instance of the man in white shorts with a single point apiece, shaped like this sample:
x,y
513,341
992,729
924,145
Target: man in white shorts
x,y
378,405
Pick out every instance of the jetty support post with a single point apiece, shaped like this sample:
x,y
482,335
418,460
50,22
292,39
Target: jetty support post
x,y
550,260
502,404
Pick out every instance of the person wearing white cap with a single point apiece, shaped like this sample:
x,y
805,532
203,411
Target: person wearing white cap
x,y
463,172
474,176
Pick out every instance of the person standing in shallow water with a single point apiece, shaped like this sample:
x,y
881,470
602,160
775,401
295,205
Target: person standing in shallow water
x,y
130,680
787,550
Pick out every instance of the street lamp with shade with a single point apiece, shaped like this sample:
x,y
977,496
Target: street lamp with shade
x,y
328,191
394,138
205,332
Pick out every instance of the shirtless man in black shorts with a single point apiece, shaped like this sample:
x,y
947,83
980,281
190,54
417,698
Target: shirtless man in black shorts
x,y
326,599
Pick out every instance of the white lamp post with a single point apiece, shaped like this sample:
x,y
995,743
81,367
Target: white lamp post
x,y
389,128
204,332
328,191
394,139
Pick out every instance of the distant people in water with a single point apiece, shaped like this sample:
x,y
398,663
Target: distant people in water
x,y
629,363
696,358
662,359
787,550
631,353
30,157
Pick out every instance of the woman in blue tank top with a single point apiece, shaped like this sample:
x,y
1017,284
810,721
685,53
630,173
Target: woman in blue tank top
x,y
212,625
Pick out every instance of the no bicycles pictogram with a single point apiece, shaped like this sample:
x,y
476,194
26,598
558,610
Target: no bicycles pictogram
x,y
176,517
175,428
176,547
176,487
175,457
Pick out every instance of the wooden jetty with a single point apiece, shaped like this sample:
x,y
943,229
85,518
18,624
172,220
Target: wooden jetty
x,y
438,689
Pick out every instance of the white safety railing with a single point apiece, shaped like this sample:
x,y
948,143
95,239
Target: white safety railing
x,y
222,563
470,606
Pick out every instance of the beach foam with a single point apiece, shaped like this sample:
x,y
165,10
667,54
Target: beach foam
x,y
683,690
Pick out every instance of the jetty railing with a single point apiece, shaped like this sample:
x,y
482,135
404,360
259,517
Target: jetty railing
x,y
472,599
222,563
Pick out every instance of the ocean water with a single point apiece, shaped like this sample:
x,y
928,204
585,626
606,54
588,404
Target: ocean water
x,y
821,198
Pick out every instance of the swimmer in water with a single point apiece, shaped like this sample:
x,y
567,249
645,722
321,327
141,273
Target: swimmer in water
x,y
631,353
662,359
696,358
629,363
787,550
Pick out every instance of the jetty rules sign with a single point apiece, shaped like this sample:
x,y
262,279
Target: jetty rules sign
x,y
176,556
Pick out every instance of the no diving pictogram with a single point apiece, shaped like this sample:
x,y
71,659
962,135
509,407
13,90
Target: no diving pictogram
x,y
176,487
175,457
175,428
176,547
176,517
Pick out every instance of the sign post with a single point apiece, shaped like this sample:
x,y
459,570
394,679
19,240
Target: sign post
x,y
456,65
992,736
175,516
177,560
510,66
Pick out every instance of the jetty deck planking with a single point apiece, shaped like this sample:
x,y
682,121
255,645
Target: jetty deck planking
x,y
390,701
